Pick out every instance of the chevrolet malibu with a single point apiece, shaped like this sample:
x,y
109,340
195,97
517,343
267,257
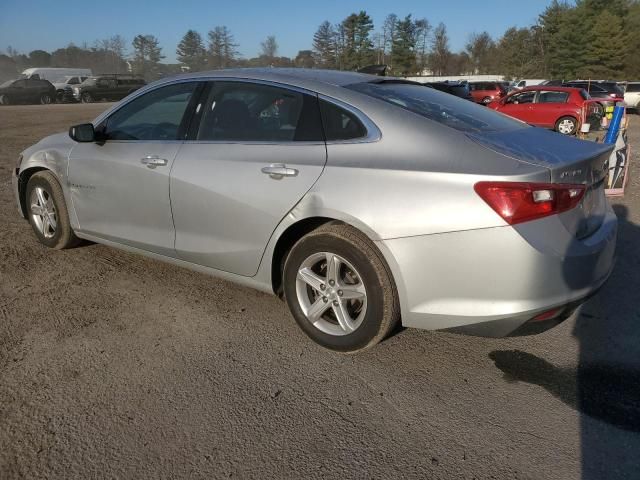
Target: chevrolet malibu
x,y
366,202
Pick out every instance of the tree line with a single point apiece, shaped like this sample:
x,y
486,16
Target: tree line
x,y
584,38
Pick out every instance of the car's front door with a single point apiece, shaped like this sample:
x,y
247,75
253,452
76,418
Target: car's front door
x,y
120,187
19,91
255,151
520,106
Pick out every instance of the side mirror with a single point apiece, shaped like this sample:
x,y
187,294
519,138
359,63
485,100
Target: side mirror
x,y
83,133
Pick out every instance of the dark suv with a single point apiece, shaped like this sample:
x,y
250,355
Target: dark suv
x,y
459,89
598,89
27,90
108,87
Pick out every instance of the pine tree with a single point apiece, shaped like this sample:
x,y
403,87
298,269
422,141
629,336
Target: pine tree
x,y
324,46
357,49
222,51
403,55
146,55
602,57
191,51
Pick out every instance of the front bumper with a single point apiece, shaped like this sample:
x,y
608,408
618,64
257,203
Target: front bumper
x,y
490,282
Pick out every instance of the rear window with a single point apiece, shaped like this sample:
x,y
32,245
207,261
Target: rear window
x,y
446,109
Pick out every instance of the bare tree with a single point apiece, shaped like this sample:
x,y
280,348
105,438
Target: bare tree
x,y
269,47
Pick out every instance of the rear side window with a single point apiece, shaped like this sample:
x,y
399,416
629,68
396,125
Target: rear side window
x,y
633,87
439,107
584,94
252,112
340,124
553,97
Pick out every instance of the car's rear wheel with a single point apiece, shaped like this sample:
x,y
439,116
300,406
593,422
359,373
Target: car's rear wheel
x,y
60,96
45,99
4,99
86,98
486,100
339,289
47,212
567,125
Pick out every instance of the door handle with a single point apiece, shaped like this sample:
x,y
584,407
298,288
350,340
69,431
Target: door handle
x,y
279,170
153,161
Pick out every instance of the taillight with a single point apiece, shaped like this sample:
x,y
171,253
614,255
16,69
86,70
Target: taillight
x,y
518,202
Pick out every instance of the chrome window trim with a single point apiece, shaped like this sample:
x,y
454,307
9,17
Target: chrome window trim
x,y
373,132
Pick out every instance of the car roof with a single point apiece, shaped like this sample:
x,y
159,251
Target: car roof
x,y
301,77
536,88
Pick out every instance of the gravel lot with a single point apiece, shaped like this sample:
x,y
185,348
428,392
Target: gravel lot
x,y
116,366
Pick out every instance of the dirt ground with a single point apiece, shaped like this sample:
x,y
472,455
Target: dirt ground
x,y
117,366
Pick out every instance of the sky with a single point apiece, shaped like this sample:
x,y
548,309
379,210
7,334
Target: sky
x,y
47,24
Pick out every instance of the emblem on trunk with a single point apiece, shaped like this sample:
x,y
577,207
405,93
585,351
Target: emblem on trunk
x,y
570,173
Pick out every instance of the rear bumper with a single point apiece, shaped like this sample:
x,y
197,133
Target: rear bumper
x,y
491,282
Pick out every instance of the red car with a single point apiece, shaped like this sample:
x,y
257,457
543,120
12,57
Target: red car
x,y
486,92
558,108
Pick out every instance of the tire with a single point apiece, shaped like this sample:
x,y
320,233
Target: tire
x,y
4,100
365,292
86,98
566,125
486,100
45,99
44,190
60,96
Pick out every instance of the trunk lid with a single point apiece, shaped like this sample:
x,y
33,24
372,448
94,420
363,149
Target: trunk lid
x,y
568,160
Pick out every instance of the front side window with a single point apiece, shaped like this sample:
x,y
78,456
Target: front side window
x,y
443,108
252,112
520,98
553,97
156,115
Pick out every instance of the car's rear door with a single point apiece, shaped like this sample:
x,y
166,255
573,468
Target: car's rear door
x,y
254,151
120,186
550,106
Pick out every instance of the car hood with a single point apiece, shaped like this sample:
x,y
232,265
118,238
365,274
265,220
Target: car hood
x,y
561,154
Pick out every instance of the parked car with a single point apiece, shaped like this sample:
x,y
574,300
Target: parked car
x,y
528,82
459,89
63,86
486,92
106,87
558,108
25,90
632,95
362,201
607,91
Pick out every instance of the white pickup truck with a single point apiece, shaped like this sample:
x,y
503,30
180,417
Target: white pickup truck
x,y
63,86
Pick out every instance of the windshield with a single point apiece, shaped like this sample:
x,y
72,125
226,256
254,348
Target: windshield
x,y
446,109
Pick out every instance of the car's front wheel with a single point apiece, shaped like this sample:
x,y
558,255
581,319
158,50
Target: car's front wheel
x,y
339,289
45,99
567,125
47,212
4,99
86,97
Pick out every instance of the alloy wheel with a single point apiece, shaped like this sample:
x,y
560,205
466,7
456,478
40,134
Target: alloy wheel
x,y
43,212
566,127
331,293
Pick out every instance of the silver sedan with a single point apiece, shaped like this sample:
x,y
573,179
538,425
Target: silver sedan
x,y
365,202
